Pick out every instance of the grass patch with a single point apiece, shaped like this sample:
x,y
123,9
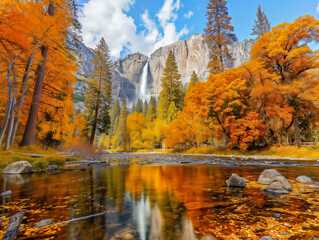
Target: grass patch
x,y
33,149
37,163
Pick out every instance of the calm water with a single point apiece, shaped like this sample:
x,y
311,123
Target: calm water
x,y
158,202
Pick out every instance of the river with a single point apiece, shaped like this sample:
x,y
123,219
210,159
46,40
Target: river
x,y
157,201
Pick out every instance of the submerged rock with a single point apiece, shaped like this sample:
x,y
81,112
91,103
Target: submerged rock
x,y
21,167
276,188
44,223
267,238
6,193
304,179
236,181
314,186
52,168
268,176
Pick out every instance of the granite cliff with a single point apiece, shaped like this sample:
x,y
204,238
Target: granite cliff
x,y
191,55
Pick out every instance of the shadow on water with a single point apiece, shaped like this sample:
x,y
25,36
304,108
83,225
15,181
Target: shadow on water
x,y
157,202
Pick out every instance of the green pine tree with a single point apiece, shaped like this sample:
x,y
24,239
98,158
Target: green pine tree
x,y
262,25
133,108
139,106
121,136
172,112
98,97
172,87
192,82
145,108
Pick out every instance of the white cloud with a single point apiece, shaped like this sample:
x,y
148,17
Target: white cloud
x,y
109,19
318,8
188,15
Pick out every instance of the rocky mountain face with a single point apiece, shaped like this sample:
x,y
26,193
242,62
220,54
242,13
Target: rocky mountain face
x,y
191,55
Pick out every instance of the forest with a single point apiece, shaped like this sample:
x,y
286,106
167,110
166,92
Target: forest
x,y
271,99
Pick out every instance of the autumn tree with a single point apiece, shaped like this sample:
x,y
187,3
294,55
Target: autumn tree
x,y
262,25
30,130
218,34
171,87
281,61
99,93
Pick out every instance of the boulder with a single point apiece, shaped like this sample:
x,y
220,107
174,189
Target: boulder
x,y
44,223
284,182
314,186
304,179
6,193
268,176
128,236
236,181
276,188
21,167
267,238
52,168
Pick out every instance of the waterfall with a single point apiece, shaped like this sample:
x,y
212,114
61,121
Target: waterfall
x,y
143,84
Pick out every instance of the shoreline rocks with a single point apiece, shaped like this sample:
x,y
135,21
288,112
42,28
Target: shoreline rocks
x,y
6,194
21,167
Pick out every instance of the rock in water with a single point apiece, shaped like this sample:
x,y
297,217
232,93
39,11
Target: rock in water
x,y
276,188
20,167
6,193
52,168
304,179
44,223
267,238
284,183
236,181
268,176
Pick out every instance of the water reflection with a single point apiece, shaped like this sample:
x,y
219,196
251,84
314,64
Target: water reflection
x,y
150,202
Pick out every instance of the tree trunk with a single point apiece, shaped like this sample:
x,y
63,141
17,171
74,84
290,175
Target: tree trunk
x,y
30,130
297,131
24,91
9,105
95,121
9,132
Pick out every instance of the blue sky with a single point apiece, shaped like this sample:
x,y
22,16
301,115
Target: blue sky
x,y
144,25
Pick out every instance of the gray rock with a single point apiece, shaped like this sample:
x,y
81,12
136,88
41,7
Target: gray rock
x,y
44,223
21,167
276,188
314,186
52,168
267,238
236,181
6,193
277,215
284,182
304,179
268,176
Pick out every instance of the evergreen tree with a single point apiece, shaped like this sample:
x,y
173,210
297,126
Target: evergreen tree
x,y
151,114
262,25
192,82
99,92
139,106
115,113
172,112
171,87
133,108
153,102
145,108
218,34
121,136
